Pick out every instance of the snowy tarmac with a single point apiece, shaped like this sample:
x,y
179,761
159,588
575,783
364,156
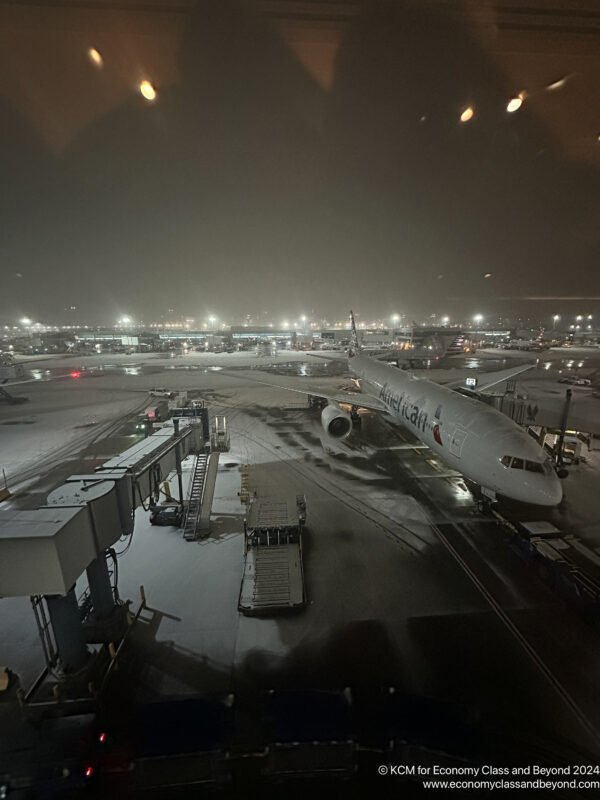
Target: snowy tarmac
x,y
408,584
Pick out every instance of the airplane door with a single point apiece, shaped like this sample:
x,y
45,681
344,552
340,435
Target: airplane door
x,y
457,441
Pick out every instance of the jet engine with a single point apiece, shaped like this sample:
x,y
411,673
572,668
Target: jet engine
x,y
337,423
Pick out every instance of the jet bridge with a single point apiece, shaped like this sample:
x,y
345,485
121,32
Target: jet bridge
x,y
43,552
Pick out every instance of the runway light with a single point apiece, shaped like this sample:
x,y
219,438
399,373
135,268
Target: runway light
x,y
95,58
467,114
147,91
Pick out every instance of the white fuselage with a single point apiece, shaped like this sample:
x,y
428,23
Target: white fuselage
x,y
472,437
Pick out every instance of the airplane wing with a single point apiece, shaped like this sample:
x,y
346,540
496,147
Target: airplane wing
x,y
354,399
486,380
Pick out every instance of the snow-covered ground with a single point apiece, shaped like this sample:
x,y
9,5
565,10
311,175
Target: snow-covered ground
x,y
55,424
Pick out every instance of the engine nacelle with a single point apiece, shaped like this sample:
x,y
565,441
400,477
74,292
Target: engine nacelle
x,y
337,423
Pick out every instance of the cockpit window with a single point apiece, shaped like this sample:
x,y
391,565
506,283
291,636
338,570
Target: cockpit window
x,y
530,466
534,466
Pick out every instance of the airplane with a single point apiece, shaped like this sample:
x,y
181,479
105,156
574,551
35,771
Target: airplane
x,y
477,440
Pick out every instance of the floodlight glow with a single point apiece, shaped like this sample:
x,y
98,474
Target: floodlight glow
x,y
515,103
95,58
147,91
555,85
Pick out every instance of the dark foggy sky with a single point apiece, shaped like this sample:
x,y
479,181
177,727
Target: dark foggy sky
x,y
248,187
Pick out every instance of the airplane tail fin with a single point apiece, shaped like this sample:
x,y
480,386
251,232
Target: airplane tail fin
x,y
355,347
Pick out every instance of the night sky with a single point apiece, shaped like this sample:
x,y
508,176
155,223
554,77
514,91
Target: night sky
x,y
249,186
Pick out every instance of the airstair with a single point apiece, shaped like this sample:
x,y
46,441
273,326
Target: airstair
x,y
200,496
194,502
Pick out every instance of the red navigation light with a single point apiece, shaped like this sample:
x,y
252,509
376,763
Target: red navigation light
x,y
89,772
76,374
102,738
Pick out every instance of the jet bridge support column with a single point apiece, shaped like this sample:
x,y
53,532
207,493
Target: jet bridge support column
x,y
68,631
100,588
563,428
178,462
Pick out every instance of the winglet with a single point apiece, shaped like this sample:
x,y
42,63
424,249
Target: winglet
x,y
355,348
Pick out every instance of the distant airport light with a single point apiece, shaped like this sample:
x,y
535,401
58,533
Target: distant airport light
x,y
395,318
578,317
445,320
147,91
487,275
25,321
467,114
125,320
556,317
478,318
95,57
589,316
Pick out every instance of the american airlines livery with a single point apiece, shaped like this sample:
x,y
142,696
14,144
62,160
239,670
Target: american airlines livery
x,y
477,440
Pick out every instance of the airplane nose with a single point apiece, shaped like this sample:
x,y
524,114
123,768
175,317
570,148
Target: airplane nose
x,y
551,493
